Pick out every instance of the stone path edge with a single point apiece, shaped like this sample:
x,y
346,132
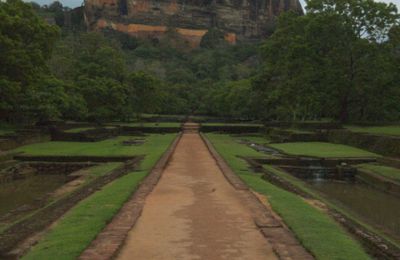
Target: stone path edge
x,y
283,241
111,239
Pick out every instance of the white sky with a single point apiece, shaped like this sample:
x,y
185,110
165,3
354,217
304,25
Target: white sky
x,y
75,3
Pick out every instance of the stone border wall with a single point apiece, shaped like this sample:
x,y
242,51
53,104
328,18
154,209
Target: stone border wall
x,y
134,130
304,125
379,182
385,145
230,129
10,142
91,135
20,170
392,162
17,232
284,135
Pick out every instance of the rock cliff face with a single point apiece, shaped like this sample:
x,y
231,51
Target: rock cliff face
x,y
191,19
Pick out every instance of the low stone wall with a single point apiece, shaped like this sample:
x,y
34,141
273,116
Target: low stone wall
x,y
92,135
10,142
14,234
327,162
379,182
385,145
135,130
24,169
304,125
46,168
392,162
278,135
231,129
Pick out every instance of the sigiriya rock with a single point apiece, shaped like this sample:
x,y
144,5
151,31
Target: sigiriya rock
x,y
239,20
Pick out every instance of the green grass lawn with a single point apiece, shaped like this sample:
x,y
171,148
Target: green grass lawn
x,y
109,147
76,229
378,130
385,171
321,149
319,233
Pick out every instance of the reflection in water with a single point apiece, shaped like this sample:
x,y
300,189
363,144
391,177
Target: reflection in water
x,y
377,208
27,192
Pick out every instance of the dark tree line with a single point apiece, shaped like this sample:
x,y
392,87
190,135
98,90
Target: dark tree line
x,y
341,60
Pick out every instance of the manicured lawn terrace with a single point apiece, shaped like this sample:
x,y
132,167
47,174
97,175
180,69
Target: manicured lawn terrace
x,y
321,149
76,229
385,171
319,233
393,130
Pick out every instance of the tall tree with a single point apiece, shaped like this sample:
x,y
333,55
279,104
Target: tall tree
x,y
26,42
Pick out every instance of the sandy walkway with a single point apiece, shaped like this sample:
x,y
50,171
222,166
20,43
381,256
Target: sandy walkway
x,y
194,213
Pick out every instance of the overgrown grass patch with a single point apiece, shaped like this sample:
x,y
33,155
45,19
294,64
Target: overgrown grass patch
x,y
317,231
378,130
321,149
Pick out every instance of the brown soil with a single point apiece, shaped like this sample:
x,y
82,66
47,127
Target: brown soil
x,y
194,213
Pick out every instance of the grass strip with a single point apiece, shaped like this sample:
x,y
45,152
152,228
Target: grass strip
x,y
319,233
78,227
321,149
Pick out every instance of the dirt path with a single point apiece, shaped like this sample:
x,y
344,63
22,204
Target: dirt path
x,y
194,213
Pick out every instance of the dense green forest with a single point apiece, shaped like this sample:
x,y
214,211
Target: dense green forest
x,y
341,60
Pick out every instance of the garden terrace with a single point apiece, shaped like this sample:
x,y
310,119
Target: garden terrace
x,y
64,197
93,203
318,232
347,210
